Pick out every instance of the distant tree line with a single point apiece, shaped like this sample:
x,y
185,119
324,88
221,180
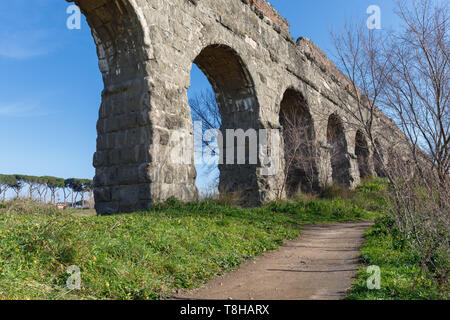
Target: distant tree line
x,y
39,188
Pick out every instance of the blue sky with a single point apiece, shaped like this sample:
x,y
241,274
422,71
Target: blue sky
x,y
50,84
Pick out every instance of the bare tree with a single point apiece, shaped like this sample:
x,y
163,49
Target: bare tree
x,y
417,92
205,110
300,172
418,86
406,73
360,56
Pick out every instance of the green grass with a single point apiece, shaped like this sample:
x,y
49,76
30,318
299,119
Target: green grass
x,y
149,255
402,278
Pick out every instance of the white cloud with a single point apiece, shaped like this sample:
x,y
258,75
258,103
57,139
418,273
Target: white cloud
x,y
23,109
25,44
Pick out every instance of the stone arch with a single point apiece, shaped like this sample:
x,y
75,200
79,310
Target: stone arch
x,y
301,172
340,163
232,84
239,109
145,50
120,34
362,154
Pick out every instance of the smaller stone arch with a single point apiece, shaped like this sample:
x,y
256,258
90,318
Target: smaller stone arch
x,y
239,109
232,84
301,172
362,154
340,162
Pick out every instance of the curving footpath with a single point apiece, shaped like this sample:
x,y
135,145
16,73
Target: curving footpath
x,y
319,265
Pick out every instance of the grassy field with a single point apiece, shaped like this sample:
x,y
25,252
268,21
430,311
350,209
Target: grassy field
x,y
402,278
149,255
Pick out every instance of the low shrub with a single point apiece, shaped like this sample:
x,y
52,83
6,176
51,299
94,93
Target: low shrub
x,y
336,191
402,276
24,206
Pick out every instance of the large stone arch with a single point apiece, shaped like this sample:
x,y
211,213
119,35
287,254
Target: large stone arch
x,y
299,144
239,109
362,153
124,128
121,36
338,149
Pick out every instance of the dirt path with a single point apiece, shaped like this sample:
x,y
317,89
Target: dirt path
x,y
318,265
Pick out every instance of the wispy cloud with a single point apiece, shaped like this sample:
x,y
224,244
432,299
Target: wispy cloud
x,y
23,109
25,44
28,31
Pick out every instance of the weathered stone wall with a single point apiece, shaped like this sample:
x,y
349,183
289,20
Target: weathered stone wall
x,y
267,11
146,51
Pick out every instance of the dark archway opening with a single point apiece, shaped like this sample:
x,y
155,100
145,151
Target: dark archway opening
x,y
362,153
237,108
301,173
340,163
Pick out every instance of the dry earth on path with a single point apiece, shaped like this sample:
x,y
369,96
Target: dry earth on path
x,y
319,265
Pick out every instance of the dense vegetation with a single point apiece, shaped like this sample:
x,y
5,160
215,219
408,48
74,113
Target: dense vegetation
x,y
149,255
402,276
404,72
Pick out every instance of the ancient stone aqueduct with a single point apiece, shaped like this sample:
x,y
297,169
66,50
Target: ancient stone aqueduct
x,y
146,50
